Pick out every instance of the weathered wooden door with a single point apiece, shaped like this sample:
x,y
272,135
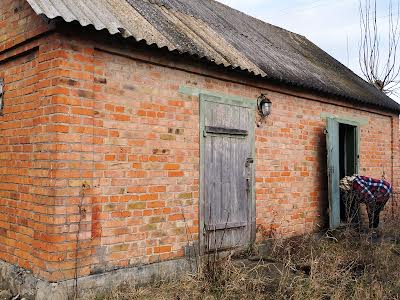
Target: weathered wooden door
x,y
332,144
227,206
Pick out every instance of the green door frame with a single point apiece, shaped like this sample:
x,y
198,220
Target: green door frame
x,y
333,164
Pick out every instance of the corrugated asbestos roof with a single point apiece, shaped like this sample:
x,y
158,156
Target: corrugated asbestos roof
x,y
211,30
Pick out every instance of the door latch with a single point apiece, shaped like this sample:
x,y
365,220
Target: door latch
x,y
249,161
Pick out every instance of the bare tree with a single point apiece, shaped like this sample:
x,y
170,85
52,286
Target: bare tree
x,y
380,63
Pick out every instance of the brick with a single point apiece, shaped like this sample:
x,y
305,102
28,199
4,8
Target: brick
x,y
148,197
137,205
176,174
162,249
171,167
157,219
185,196
176,217
119,247
120,214
167,137
155,204
157,189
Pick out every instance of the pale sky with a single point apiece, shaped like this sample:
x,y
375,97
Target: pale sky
x,y
333,25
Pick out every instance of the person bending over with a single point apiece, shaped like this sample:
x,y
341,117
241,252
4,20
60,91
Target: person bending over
x,y
373,192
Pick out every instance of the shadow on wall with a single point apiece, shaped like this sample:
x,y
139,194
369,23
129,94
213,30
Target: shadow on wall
x,y
323,180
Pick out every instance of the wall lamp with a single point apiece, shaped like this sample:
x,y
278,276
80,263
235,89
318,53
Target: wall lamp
x,y
264,106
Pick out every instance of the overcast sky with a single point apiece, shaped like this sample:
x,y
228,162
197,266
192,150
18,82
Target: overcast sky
x,y
331,24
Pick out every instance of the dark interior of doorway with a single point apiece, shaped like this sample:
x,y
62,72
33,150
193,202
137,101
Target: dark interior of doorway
x,y
347,157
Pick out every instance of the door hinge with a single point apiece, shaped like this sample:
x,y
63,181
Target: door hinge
x,y
1,95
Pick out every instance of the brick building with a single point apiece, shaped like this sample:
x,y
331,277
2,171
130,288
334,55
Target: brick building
x,y
130,129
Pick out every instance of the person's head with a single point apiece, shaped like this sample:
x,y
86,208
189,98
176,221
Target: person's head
x,y
346,183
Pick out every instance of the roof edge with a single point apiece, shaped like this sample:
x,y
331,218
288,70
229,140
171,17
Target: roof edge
x,y
122,33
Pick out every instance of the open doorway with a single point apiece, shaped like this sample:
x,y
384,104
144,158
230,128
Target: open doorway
x,y
347,165
343,147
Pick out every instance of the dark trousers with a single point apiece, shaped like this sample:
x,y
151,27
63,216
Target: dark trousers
x,y
374,209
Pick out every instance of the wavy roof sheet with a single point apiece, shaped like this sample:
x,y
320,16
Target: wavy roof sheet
x,y
211,30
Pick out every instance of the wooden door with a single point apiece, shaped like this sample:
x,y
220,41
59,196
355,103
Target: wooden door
x,y
226,208
332,144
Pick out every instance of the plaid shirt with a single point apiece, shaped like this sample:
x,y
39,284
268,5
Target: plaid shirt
x,y
370,189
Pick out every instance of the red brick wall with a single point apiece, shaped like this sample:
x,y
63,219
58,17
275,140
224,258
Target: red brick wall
x,y
134,141
28,158
129,162
18,22
103,147
28,140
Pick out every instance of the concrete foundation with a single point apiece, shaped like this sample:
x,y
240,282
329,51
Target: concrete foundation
x,y
21,282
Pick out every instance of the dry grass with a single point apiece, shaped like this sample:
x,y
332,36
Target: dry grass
x,y
348,265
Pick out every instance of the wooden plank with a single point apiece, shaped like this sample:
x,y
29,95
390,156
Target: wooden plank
x,y
223,226
224,130
332,143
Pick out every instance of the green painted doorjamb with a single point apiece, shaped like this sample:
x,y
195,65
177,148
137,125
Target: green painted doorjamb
x,y
353,121
333,159
219,97
349,120
332,144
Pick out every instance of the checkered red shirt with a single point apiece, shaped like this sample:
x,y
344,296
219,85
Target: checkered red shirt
x,y
371,189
